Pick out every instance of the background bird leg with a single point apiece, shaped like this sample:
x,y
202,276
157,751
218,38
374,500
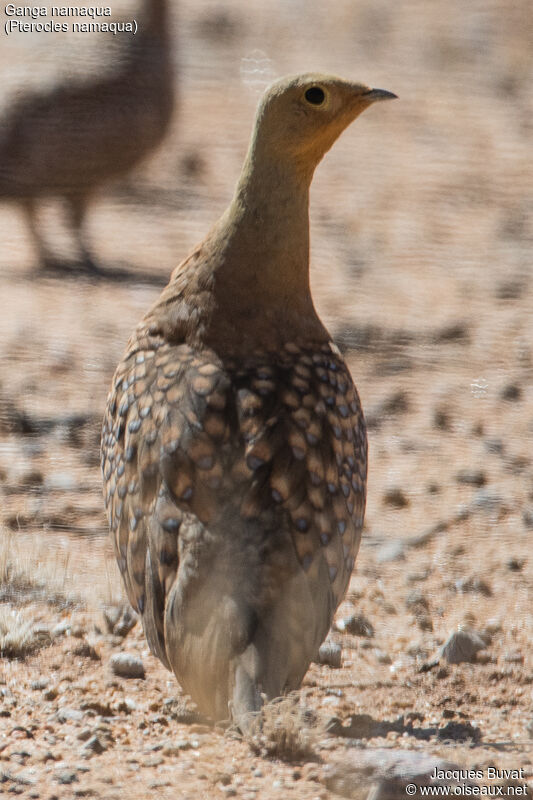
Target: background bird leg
x,y
46,260
77,205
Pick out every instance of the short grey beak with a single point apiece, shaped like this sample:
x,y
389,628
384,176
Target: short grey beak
x,y
380,94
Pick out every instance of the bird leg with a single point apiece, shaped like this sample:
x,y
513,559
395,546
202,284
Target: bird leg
x,y
46,260
77,206
246,701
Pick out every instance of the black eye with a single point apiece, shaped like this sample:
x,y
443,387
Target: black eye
x,y
315,95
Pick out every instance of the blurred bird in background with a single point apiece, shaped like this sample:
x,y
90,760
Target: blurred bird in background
x,y
70,141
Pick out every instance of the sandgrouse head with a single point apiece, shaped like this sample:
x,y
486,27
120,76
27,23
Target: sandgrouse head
x,y
300,117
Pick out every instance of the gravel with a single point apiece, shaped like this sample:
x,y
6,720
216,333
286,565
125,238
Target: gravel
x,y
126,665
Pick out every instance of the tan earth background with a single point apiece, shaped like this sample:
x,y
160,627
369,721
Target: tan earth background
x,y
421,267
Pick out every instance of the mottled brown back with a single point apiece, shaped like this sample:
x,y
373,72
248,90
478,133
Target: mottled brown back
x,y
257,466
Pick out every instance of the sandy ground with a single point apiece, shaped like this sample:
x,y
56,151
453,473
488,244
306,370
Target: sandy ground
x,y
421,242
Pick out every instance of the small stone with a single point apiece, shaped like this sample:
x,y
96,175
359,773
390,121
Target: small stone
x,y
126,665
51,693
153,761
495,446
357,625
330,654
527,518
95,745
382,657
67,777
441,419
416,601
492,626
462,646
513,657
471,477
40,683
512,393
489,502
126,706
395,497
69,715
102,708
391,551
473,585
174,748
85,734
61,628
120,619
59,482
86,650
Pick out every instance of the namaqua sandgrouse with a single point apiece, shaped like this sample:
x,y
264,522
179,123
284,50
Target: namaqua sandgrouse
x,y
234,447
71,140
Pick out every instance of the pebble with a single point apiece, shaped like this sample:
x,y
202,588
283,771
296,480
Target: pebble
x,y
356,624
391,551
442,419
424,622
61,628
86,650
513,657
473,585
462,646
127,665
94,745
330,654
67,777
471,477
395,497
120,619
382,657
69,715
41,683
489,502
495,446
515,564
492,626
527,517
59,481
416,601
512,393
127,706
174,748
153,761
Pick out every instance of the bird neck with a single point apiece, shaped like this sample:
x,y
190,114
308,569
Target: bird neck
x,y
265,234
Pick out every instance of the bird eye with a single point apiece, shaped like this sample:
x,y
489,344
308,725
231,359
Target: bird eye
x,y
315,95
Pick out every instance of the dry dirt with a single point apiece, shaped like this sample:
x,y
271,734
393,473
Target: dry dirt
x,y
421,241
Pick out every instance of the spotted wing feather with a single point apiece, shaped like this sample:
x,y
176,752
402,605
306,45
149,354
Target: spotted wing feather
x,y
274,445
